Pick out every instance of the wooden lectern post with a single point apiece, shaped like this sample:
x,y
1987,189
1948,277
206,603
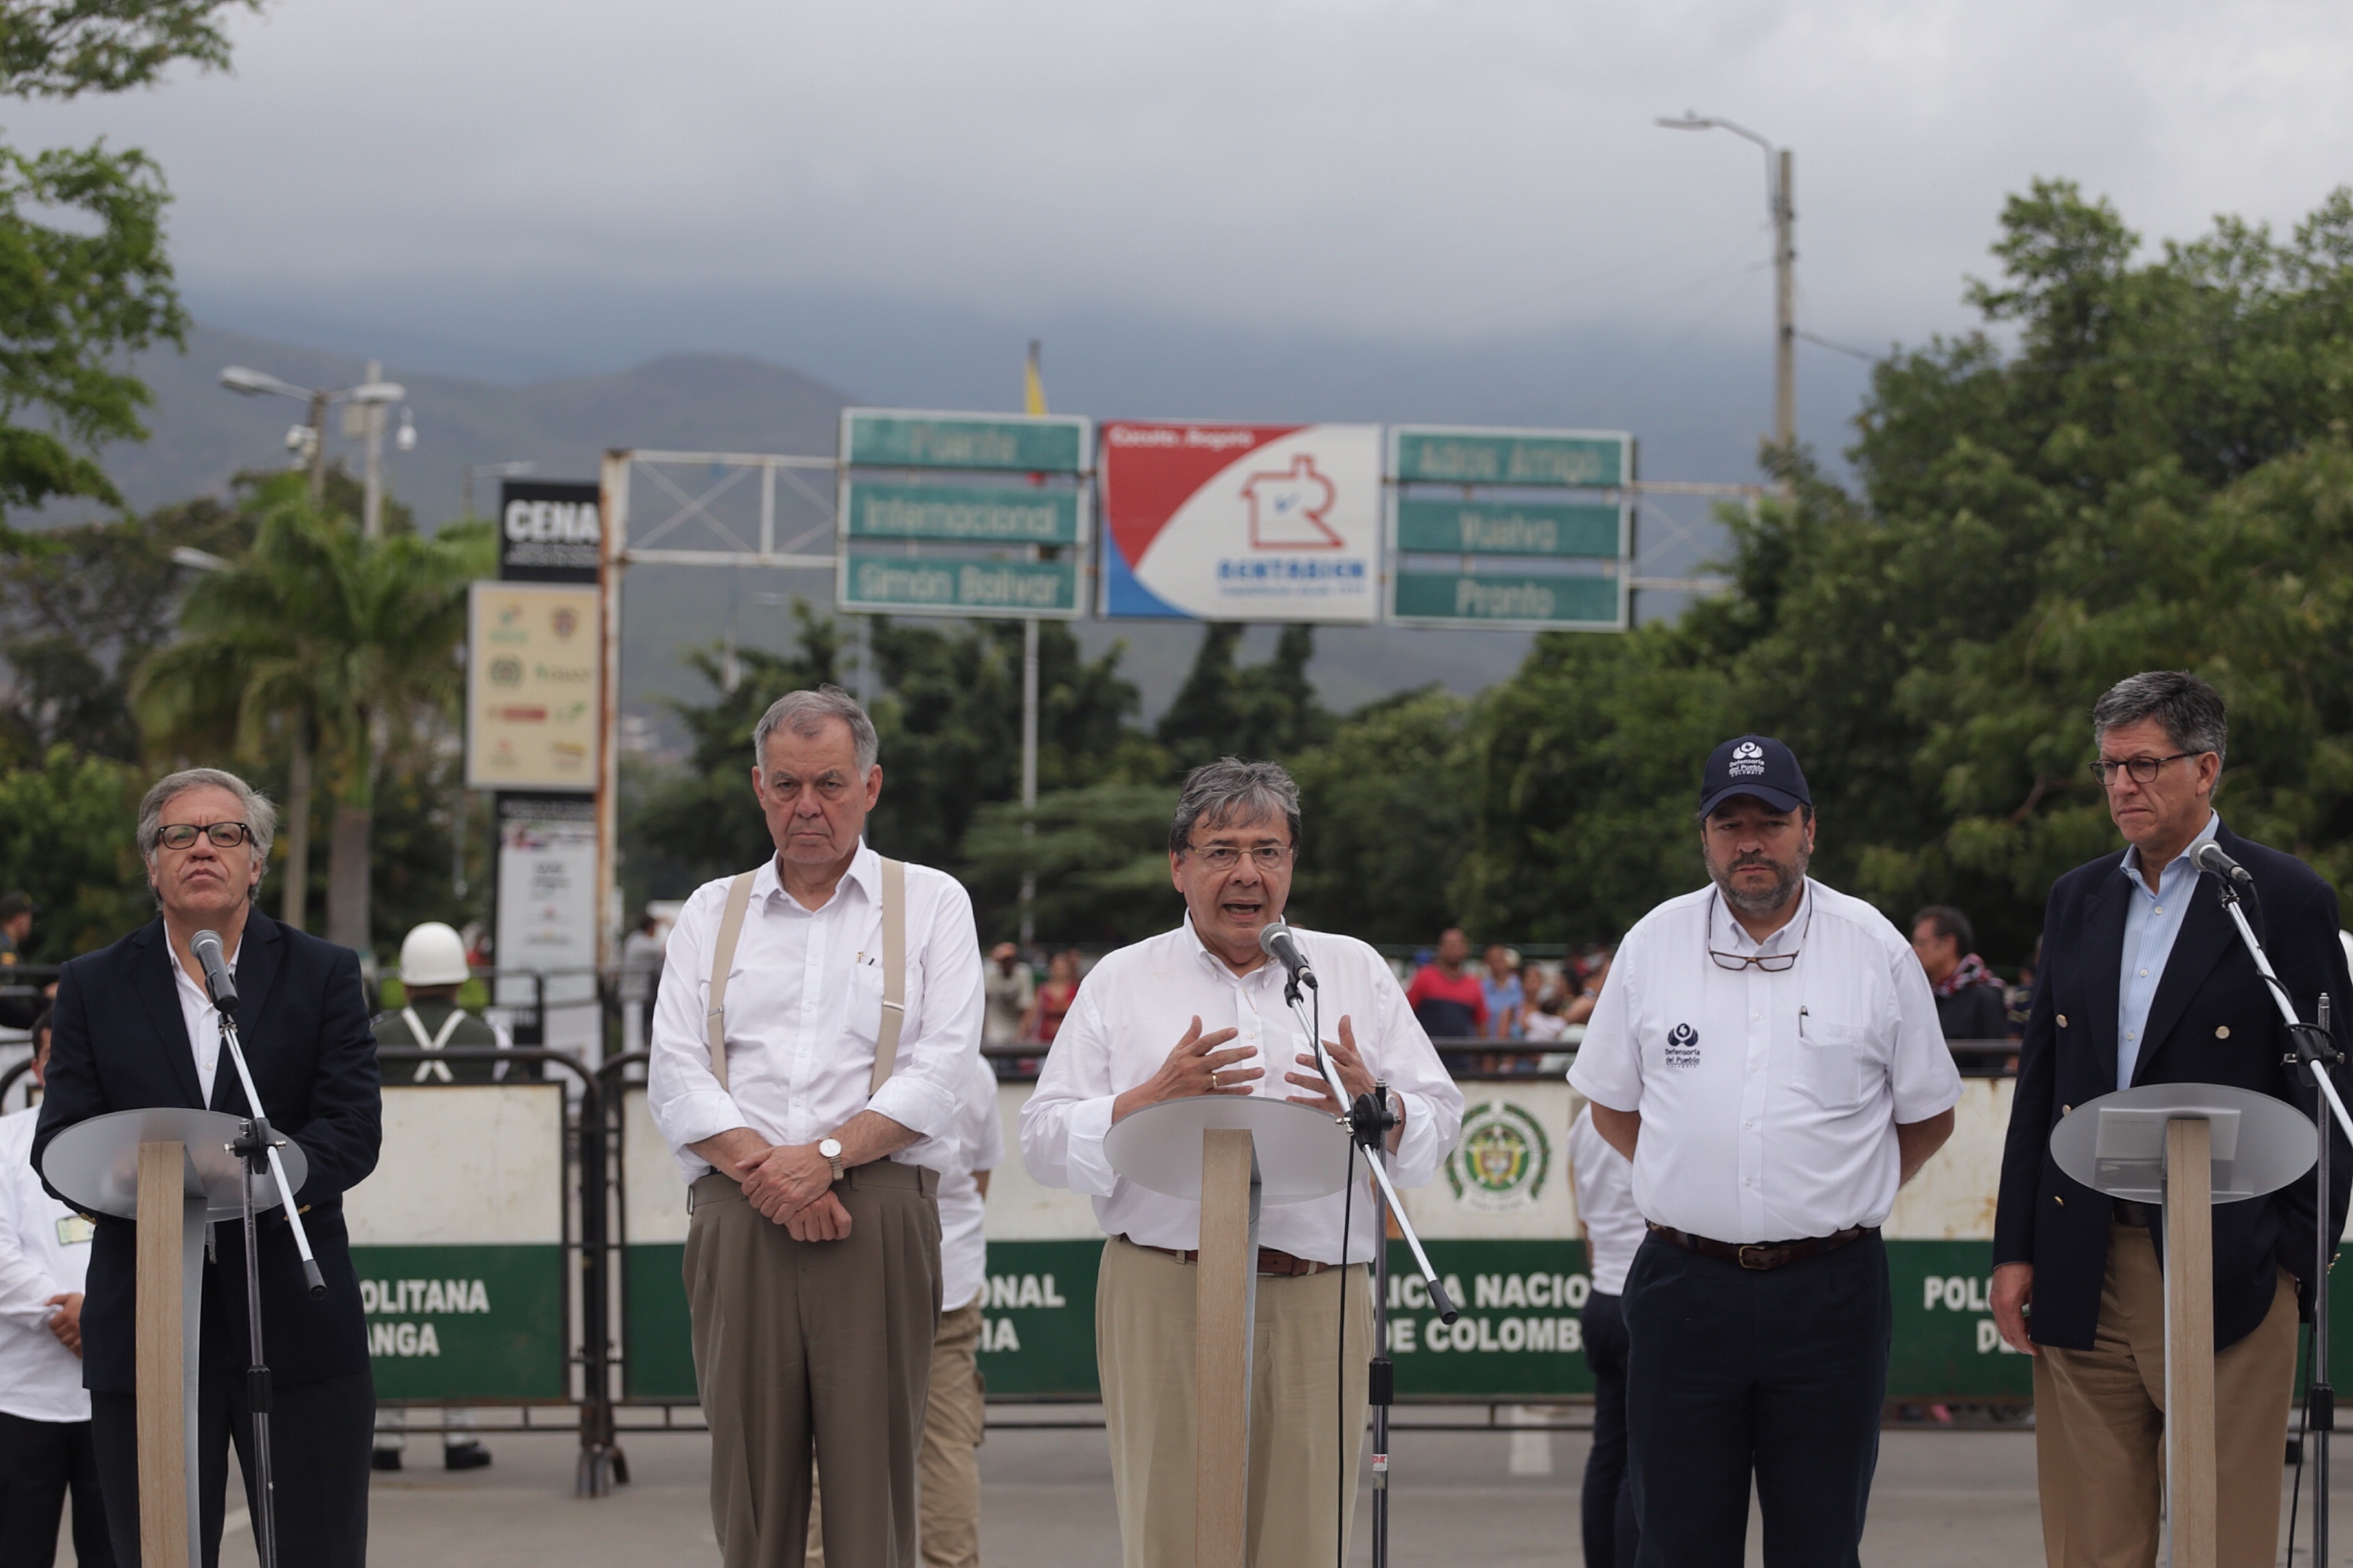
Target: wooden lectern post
x,y
1227,1283
161,1363
2189,1475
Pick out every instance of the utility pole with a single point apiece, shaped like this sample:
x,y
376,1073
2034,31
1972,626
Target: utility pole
x,y
317,423
1785,307
1033,402
372,486
1780,175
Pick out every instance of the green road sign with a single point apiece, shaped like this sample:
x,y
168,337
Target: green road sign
x,y
1445,455
968,514
902,438
1509,528
1515,599
871,580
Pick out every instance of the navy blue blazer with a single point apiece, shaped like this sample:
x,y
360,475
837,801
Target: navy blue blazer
x,y
120,1044
2211,1021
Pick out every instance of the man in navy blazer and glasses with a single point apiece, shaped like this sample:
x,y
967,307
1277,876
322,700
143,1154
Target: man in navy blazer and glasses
x,y
2145,979
134,1028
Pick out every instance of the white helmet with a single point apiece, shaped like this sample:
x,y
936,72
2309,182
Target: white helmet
x,y
433,954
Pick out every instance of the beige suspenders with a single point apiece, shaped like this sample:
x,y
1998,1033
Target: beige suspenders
x,y
894,973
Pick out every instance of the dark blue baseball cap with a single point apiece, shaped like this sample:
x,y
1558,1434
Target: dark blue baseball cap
x,y
1755,765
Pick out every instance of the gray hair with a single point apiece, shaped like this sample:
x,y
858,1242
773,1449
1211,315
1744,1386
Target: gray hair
x,y
1231,789
805,713
260,817
2190,709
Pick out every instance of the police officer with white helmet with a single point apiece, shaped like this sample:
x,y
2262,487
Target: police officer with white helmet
x,y
1766,1052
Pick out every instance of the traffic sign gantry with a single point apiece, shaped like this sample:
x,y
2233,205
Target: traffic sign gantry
x,y
961,514
1480,536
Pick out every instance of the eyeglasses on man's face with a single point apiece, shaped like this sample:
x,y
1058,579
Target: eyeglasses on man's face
x,y
1226,857
223,835
2144,769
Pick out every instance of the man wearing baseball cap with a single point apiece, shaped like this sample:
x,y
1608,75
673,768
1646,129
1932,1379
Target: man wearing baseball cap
x,y
1766,1052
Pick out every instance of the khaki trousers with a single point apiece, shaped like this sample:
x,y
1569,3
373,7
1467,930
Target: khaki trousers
x,y
954,1419
2099,1426
823,1343
1299,1439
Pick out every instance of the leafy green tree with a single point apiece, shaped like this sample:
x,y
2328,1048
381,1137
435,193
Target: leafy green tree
x,y
1263,712
336,651
1386,808
84,281
69,836
1102,860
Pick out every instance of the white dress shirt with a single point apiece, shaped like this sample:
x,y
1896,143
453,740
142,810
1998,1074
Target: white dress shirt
x,y
203,1019
44,1252
964,1220
804,1010
1133,1009
1605,1203
1769,1102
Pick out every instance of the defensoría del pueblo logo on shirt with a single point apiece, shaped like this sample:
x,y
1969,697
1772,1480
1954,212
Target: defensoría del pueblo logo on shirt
x,y
1500,1164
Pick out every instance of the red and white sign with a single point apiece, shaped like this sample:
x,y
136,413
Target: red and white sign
x,y
1241,522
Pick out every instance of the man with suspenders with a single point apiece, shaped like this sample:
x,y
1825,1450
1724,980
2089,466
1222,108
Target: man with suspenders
x,y
812,1041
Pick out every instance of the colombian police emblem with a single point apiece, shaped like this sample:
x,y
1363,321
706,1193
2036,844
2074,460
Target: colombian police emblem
x,y
1500,1164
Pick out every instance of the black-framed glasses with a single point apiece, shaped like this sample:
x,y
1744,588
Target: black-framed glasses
x,y
1225,857
2144,769
223,835
1771,963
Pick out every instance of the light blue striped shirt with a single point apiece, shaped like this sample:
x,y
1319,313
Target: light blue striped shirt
x,y
2151,922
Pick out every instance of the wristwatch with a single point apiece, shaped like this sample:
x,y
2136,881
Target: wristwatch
x,y
829,1151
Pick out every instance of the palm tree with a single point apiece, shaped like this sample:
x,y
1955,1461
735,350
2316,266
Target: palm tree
x,y
338,653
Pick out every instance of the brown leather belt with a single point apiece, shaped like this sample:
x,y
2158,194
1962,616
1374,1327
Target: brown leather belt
x,y
1761,1255
1269,1260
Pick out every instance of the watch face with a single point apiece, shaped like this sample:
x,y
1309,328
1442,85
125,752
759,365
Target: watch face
x,y
830,1148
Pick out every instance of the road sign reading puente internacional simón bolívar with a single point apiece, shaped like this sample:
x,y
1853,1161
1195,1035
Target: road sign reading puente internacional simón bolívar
x,y
962,514
1482,534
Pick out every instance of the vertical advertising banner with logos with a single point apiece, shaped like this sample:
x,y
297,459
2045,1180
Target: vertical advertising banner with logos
x,y
1240,522
534,681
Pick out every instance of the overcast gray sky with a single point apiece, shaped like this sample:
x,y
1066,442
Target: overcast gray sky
x,y
1421,175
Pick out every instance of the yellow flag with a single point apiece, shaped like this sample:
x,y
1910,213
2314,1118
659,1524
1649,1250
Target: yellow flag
x,y
1033,386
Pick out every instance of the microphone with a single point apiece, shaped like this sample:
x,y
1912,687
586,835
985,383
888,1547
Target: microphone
x,y
1283,948
218,982
2211,857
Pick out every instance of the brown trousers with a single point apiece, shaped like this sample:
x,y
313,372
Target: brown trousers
x,y
954,1420
1144,1350
2099,1426
823,1343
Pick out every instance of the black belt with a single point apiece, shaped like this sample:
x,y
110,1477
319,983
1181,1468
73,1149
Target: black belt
x,y
2129,1213
1762,1254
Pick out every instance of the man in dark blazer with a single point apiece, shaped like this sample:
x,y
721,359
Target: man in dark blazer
x,y
134,1029
2145,979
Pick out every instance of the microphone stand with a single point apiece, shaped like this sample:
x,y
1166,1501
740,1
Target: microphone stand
x,y
2315,1052
256,1147
1369,1119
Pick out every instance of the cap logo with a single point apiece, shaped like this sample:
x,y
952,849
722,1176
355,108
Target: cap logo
x,y
1748,758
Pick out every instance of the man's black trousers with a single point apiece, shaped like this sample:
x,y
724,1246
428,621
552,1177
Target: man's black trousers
x,y
1777,1374
1608,1505
320,1436
39,1462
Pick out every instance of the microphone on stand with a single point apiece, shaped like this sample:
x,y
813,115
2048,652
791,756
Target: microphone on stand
x,y
1283,948
2211,857
219,983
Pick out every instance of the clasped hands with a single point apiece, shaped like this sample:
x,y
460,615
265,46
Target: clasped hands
x,y
1203,1064
789,1183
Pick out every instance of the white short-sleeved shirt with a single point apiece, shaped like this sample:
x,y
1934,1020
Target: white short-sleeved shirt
x,y
1769,1102
1605,1203
1135,1006
980,1146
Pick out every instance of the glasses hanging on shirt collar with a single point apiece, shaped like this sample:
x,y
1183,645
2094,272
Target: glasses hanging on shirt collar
x,y
1771,963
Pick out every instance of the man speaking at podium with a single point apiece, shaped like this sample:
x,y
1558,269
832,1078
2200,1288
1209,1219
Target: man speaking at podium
x,y
136,1028
1200,1011
2144,980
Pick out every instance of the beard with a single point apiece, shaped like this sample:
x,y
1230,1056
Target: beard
x,y
1786,879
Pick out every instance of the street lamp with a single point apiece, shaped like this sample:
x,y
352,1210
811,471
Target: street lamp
x,y
1780,171
514,470
370,394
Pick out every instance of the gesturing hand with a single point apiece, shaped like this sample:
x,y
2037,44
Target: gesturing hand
x,y
1195,1066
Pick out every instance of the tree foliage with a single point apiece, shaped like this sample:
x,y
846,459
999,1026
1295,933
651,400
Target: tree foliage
x,y
67,824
